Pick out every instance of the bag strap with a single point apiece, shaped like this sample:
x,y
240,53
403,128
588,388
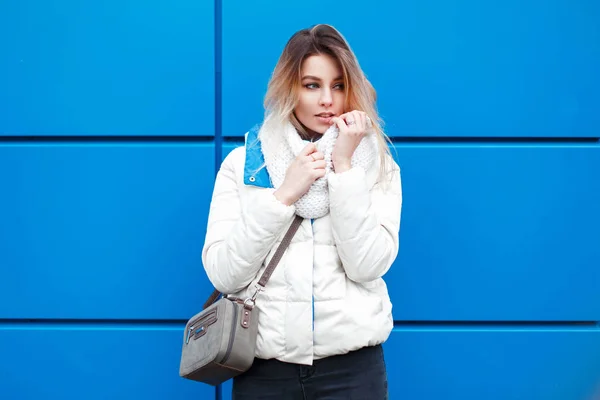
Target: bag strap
x,y
285,242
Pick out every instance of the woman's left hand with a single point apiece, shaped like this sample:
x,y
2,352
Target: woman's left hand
x,y
353,127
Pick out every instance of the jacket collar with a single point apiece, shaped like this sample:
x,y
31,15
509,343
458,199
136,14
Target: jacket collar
x,y
255,173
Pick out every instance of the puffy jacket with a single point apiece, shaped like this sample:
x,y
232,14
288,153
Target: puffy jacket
x,y
326,296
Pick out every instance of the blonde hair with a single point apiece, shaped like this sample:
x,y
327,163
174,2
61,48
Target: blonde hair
x,y
282,92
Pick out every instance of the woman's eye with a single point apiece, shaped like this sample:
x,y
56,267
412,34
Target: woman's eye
x,y
339,86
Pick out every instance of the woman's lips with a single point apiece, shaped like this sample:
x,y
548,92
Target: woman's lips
x,y
324,119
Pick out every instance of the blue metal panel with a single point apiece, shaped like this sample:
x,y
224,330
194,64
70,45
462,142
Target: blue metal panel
x,y
90,363
498,233
107,68
107,231
226,388
490,364
460,68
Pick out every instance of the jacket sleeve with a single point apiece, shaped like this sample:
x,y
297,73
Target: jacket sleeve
x,y
365,223
240,234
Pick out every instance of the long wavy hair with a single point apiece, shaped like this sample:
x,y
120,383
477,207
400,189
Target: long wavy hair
x,y
283,89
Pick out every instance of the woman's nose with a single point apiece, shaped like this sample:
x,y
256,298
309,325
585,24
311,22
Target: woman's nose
x,y
326,98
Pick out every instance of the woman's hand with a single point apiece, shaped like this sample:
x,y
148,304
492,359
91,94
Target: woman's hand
x,y
353,127
301,174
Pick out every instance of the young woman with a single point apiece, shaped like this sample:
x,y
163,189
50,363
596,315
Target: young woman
x,y
319,153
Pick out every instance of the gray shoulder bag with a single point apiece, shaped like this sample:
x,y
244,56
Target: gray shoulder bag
x,y
219,342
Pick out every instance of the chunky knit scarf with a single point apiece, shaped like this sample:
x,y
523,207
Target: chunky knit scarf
x,y
281,143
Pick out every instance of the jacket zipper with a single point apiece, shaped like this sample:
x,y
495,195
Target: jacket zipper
x,y
312,221
232,334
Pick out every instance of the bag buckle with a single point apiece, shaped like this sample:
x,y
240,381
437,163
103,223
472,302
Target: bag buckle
x,y
256,292
250,301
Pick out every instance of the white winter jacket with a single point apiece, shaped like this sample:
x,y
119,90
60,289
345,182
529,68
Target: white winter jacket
x,y
326,296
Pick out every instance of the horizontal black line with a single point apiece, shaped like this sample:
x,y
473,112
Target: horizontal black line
x,y
497,324
95,320
27,139
91,323
106,323
233,139
487,139
107,139
470,140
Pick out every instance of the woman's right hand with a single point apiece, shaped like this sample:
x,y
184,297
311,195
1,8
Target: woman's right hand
x,y
301,174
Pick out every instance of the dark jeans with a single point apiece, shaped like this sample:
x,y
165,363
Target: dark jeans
x,y
357,375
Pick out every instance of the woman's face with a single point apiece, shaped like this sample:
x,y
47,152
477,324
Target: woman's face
x,y
321,95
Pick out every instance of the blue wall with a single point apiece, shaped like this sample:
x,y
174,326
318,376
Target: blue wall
x,y
115,116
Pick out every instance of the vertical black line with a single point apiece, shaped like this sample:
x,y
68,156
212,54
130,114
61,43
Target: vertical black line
x,y
218,109
218,84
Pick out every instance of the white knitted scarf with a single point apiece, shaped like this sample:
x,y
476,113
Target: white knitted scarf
x,y
281,144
